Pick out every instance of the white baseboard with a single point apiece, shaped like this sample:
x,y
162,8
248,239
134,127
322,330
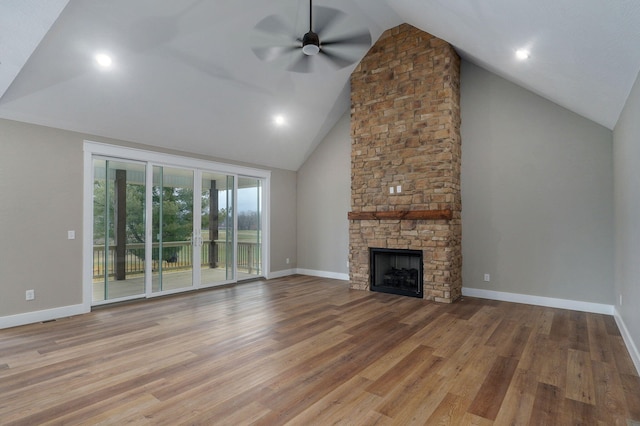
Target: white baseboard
x,y
574,305
39,316
280,274
626,336
323,274
310,272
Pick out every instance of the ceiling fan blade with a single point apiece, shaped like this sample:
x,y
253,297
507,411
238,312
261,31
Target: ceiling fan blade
x,y
302,65
189,8
362,38
269,53
213,70
274,24
338,61
324,18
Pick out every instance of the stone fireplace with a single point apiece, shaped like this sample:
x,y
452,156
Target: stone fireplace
x,y
405,159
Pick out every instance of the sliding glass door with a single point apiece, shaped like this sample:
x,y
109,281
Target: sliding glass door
x,y
172,229
118,229
249,261
217,234
157,227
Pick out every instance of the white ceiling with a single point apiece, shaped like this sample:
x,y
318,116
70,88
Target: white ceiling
x,y
185,76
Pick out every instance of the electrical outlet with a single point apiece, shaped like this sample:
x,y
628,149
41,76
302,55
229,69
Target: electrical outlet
x,y
398,189
391,190
30,295
287,260
487,277
71,235
620,299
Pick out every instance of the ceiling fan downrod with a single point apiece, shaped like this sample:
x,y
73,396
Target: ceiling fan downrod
x,y
310,41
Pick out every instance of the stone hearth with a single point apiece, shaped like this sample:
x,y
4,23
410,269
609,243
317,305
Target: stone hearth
x,y
405,129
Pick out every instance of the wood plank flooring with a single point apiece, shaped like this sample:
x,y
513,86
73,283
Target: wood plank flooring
x,y
303,350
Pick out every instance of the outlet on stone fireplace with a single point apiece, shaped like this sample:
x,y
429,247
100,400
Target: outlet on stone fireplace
x,y
396,271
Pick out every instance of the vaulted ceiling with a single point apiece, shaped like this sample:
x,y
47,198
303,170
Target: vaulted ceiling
x,y
185,75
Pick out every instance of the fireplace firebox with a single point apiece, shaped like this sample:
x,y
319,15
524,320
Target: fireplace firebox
x,y
396,271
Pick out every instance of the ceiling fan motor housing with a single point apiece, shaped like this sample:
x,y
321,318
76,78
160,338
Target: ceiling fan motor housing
x,y
310,43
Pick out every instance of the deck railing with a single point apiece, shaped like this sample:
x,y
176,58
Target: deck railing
x,y
249,259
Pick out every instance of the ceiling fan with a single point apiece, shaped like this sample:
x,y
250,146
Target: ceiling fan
x,y
340,45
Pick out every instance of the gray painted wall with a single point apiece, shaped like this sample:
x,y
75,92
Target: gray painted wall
x,y
626,148
537,194
41,185
41,179
324,199
283,220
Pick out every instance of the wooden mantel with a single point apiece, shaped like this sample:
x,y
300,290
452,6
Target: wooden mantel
x,y
403,215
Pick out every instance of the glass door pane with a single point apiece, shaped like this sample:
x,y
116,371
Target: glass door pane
x,y
216,229
172,229
118,229
249,234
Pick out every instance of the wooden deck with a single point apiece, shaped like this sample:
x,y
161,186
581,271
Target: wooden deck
x,y
303,350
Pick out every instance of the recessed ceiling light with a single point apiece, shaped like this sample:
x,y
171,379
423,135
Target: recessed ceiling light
x,y
522,54
103,60
278,120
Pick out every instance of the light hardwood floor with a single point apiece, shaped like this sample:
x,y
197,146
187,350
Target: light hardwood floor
x,y
304,350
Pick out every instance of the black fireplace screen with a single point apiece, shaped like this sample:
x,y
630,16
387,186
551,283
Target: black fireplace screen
x,y
396,271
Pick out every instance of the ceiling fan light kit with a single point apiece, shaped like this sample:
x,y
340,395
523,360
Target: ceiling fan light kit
x,y
310,44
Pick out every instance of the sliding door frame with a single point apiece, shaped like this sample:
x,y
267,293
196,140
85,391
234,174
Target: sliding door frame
x,y
153,158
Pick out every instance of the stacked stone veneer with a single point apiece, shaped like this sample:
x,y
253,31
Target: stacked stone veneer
x,y
405,129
